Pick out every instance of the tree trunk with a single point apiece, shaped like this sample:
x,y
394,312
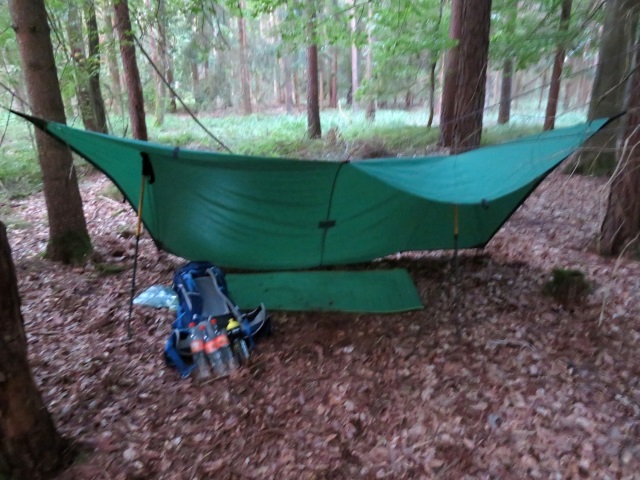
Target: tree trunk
x,y
68,237
447,113
621,225
95,92
472,74
156,40
313,105
80,70
245,79
598,154
432,90
370,113
554,87
30,446
333,89
354,58
112,63
504,115
134,87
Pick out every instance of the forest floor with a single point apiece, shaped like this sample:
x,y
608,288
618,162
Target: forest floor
x,y
503,382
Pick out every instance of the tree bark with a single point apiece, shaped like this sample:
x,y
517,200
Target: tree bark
x,y
447,113
354,58
132,75
621,226
333,89
288,84
598,154
68,237
504,114
112,63
313,102
80,70
245,78
554,87
156,46
93,67
313,106
472,75
30,446
370,113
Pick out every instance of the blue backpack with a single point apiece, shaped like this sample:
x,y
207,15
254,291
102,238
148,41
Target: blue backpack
x,y
202,294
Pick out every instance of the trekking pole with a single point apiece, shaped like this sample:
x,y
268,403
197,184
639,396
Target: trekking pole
x,y
146,171
455,252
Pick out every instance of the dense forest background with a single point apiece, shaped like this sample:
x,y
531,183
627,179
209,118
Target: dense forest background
x,y
250,56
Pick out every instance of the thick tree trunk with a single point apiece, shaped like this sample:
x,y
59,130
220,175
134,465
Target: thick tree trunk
x,y
449,90
93,67
621,226
68,237
607,96
472,75
134,87
504,115
245,78
554,87
30,447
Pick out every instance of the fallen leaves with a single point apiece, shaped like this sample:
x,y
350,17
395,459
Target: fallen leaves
x,y
491,380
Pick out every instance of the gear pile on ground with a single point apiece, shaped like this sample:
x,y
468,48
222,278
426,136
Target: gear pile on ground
x,y
493,379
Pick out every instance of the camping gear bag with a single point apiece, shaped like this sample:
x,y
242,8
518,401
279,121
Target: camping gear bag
x,y
202,294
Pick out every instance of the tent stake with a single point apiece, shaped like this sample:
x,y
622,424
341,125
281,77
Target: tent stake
x,y
135,255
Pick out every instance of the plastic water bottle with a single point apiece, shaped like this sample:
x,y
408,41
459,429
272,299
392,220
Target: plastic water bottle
x,y
196,342
212,349
222,342
239,344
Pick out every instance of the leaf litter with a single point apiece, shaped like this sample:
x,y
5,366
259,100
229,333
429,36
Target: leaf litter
x,y
493,379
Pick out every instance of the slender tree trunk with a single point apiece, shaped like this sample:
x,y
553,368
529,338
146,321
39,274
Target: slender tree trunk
x,y
333,91
554,87
447,113
354,58
313,104
472,74
288,84
621,225
432,90
245,79
296,88
504,115
112,64
156,39
68,237
370,113
95,91
134,87
30,447
81,74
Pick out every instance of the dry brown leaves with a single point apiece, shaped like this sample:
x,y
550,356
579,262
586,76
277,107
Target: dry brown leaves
x,y
491,380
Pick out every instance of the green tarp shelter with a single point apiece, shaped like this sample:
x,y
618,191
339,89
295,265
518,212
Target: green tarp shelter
x,y
268,214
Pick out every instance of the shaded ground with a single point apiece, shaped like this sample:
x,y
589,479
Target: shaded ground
x,y
500,383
